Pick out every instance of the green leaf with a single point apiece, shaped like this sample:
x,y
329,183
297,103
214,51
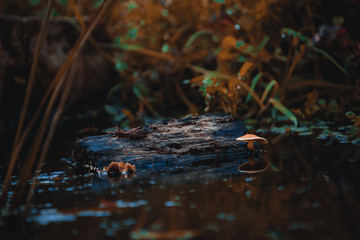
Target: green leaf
x,y
97,3
137,90
241,58
292,33
128,47
273,167
133,32
165,48
249,49
331,60
322,102
132,5
209,73
253,84
120,66
119,117
350,115
356,141
203,89
186,81
262,44
215,38
332,105
111,110
239,44
114,89
165,12
268,89
34,2
193,37
207,81
279,106
219,1
53,13
154,75
62,2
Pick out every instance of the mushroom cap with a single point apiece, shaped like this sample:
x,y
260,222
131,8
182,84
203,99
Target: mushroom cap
x,y
252,137
257,166
116,167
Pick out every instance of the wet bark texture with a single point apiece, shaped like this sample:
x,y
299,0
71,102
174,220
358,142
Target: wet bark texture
x,y
192,141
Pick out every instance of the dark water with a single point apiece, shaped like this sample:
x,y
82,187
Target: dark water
x,y
311,190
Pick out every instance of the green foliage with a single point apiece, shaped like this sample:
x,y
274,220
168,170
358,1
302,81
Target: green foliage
x,y
355,129
237,56
120,66
308,42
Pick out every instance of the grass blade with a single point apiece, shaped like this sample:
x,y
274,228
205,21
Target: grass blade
x,y
331,60
253,84
284,110
268,89
262,44
193,37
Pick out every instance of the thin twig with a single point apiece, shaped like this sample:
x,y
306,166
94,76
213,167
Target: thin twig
x,y
59,78
50,135
77,13
39,44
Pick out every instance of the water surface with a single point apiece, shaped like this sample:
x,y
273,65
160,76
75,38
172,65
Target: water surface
x,y
310,190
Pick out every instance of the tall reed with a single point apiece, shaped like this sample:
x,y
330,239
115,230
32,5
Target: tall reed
x,y
57,93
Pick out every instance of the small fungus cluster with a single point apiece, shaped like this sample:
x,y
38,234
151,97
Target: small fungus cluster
x,y
120,167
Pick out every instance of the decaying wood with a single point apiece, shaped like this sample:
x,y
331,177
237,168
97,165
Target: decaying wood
x,y
191,141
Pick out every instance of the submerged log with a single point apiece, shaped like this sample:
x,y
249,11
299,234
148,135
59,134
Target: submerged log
x,y
192,141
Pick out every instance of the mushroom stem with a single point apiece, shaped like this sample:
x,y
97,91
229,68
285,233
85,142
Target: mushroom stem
x,y
250,146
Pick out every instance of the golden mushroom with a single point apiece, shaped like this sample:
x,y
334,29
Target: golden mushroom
x,y
250,139
120,167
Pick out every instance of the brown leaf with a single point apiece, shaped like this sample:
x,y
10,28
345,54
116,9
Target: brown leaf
x,y
228,42
214,89
245,68
226,55
197,80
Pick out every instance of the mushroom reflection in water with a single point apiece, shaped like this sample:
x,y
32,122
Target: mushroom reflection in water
x,y
250,139
252,166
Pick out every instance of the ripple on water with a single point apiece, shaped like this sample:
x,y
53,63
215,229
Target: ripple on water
x,y
47,216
